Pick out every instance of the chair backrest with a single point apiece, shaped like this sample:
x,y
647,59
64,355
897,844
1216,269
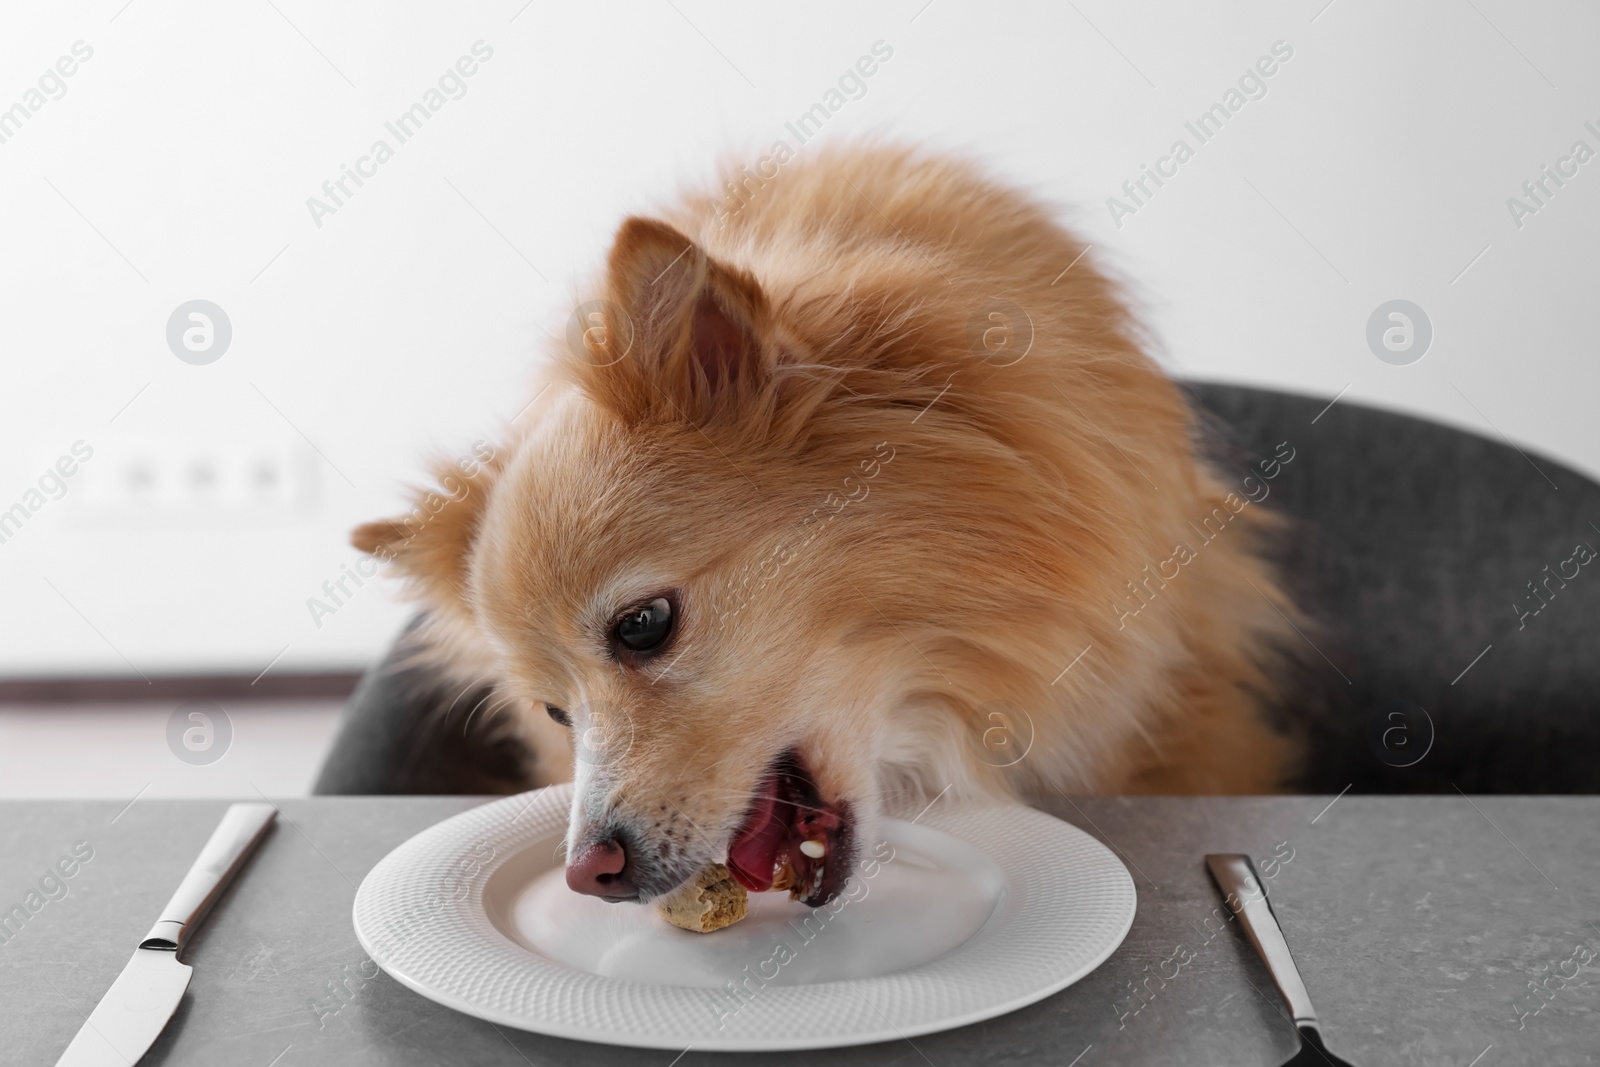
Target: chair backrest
x,y
1457,584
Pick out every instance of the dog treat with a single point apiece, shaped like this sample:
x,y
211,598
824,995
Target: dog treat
x,y
782,877
708,901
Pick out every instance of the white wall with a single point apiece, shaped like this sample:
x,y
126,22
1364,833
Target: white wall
x,y
179,161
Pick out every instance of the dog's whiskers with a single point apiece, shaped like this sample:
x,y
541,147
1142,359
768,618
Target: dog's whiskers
x,y
467,722
470,687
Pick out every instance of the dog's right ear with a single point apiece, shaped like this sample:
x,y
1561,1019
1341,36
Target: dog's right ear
x,y
678,332
430,545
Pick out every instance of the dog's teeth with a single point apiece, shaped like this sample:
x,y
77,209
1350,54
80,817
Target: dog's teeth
x,y
816,848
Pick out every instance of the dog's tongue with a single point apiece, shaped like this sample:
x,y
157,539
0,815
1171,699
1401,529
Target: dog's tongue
x,y
754,852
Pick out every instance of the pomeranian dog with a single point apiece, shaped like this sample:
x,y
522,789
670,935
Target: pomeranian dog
x,y
853,494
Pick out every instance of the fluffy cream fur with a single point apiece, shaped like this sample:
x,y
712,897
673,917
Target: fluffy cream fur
x,y
900,470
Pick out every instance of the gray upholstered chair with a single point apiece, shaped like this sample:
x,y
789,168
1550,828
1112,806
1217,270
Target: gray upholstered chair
x,y
1456,645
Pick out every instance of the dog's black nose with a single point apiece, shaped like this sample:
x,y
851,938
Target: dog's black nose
x,y
601,870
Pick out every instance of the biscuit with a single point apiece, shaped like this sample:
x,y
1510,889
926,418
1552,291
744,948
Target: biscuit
x,y
708,901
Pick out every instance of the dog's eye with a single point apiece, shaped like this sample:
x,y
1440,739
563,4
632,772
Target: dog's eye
x,y
558,715
645,628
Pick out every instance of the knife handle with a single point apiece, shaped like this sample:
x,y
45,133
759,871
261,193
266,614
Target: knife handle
x,y
1245,896
231,842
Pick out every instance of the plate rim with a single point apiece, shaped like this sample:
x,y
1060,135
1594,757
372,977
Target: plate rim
x,y
560,794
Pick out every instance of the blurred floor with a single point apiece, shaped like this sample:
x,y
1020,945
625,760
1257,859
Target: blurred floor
x,y
271,748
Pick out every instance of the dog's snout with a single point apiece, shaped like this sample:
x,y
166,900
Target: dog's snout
x,y
601,870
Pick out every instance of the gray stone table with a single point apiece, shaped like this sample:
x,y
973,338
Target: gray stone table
x,y
1430,930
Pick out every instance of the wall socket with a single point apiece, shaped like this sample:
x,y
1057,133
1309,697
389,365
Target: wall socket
x,y
178,482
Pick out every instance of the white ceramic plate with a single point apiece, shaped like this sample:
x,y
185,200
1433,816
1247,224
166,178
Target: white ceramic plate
x,y
968,914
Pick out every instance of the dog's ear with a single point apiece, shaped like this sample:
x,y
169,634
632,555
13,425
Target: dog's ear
x,y
677,327
430,545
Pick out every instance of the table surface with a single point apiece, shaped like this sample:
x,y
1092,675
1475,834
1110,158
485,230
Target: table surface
x,y
1430,930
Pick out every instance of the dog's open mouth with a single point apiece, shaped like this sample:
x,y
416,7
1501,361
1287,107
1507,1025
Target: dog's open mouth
x,y
791,838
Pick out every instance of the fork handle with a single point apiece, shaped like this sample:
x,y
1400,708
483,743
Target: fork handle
x,y
1246,897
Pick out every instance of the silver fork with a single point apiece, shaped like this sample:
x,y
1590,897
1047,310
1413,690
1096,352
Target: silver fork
x,y
1242,891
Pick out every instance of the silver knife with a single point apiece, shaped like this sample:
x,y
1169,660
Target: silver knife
x,y
136,1008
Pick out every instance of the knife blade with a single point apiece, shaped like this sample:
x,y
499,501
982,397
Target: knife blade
x,y
136,1008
